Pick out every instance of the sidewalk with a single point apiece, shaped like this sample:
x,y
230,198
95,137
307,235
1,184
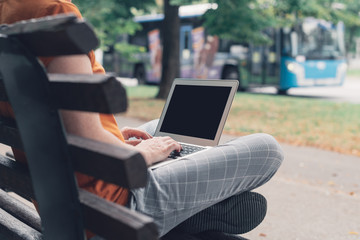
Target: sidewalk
x,y
314,195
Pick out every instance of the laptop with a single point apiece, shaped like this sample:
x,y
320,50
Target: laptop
x,y
194,115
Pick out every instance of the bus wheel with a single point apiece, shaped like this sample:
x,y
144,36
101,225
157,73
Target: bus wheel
x,y
282,91
231,72
140,74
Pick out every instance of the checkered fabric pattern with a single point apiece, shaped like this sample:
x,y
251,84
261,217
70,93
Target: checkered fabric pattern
x,y
183,188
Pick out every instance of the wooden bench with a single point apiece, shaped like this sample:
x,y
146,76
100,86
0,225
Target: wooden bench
x,y
53,156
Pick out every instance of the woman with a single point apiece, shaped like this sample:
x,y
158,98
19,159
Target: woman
x,y
192,195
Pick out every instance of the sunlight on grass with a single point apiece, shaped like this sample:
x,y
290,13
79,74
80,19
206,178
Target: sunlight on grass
x,y
353,72
298,121
327,125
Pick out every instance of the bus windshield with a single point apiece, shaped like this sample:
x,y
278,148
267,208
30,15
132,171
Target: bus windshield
x,y
318,39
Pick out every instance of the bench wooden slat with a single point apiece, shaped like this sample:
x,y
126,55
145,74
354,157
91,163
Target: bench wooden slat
x,y
94,208
52,155
9,134
44,142
19,210
60,35
15,177
14,229
3,95
39,24
118,221
116,165
105,161
96,93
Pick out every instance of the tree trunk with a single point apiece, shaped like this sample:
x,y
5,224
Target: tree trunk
x,y
350,42
116,62
171,48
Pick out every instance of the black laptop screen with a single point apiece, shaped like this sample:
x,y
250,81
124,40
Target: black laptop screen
x,y
195,111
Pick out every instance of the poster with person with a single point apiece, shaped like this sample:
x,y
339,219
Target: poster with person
x,y
155,50
204,52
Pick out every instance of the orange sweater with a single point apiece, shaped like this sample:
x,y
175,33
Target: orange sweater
x,y
16,10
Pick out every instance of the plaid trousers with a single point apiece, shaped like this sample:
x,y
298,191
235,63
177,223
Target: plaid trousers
x,y
179,190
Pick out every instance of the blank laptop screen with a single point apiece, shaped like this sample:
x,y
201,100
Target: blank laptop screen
x,y
195,111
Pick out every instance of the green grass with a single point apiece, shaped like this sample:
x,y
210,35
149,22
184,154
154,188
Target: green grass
x,y
298,121
142,91
353,72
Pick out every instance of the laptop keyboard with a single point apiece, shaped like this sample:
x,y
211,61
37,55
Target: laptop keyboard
x,y
186,150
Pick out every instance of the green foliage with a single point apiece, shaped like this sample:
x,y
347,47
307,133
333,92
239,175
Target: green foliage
x,y
240,20
346,11
112,18
342,10
127,50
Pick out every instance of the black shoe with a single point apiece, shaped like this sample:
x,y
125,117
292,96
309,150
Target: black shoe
x,y
175,235
235,215
210,235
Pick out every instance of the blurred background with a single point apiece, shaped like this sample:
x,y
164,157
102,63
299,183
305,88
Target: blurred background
x,y
281,43
298,64
297,61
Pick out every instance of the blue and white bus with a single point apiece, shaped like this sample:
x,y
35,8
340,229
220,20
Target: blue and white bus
x,y
308,54
313,54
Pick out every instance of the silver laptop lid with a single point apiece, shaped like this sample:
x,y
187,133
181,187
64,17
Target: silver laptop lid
x,y
196,110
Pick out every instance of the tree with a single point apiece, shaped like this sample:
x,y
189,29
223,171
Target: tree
x,y
112,19
348,11
245,19
171,45
171,48
240,20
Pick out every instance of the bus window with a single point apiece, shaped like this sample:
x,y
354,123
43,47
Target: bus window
x,y
186,61
286,44
186,50
272,59
185,42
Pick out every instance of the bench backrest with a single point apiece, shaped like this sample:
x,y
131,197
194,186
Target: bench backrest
x,y
52,155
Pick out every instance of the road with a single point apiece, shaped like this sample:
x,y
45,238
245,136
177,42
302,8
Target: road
x,y
349,92
315,195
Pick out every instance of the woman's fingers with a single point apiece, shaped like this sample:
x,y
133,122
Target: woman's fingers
x,y
157,149
128,132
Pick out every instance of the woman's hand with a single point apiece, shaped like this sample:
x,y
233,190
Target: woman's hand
x,y
140,135
157,149
153,149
